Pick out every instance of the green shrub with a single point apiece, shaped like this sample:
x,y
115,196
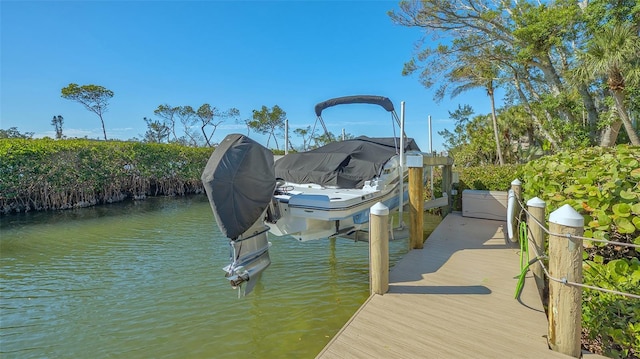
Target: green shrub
x,y
42,174
489,177
610,320
602,184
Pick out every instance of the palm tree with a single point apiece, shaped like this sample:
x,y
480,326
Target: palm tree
x,y
615,54
472,73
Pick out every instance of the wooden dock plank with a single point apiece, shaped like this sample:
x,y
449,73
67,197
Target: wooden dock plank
x,y
452,299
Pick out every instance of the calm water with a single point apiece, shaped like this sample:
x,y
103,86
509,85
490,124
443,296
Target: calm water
x,y
144,280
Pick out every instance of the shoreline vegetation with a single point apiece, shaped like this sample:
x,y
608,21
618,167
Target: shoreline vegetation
x,y
47,174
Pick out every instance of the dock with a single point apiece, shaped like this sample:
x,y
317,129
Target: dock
x,y
452,299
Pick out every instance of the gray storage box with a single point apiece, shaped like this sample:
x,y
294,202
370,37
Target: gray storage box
x,y
484,204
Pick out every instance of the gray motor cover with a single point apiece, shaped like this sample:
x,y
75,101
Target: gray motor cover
x,y
239,179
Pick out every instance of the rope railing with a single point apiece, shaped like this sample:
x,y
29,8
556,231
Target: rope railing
x,y
568,235
539,257
561,265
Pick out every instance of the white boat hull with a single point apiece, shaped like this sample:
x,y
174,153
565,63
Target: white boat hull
x,y
313,212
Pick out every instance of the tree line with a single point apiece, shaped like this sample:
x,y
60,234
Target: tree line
x,y
184,125
570,71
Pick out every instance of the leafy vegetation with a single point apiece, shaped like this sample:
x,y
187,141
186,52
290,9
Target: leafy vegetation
x,y
45,174
196,127
13,132
268,121
494,178
93,97
611,324
603,184
570,72
488,177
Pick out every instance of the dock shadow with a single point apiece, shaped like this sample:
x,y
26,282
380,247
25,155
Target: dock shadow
x,y
439,289
455,233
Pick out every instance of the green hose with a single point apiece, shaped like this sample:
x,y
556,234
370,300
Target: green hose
x,y
524,257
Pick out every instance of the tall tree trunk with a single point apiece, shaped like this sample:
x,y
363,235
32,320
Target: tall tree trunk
x,y
618,96
550,75
536,97
610,134
554,82
495,128
204,134
104,132
173,129
590,106
535,118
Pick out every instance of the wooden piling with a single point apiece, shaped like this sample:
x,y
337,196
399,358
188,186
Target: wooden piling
x,y
379,249
447,182
416,201
536,208
565,263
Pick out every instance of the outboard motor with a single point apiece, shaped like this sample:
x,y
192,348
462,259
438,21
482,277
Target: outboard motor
x,y
239,180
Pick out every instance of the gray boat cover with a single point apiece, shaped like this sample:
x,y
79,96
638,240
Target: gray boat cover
x,y
344,164
239,180
374,100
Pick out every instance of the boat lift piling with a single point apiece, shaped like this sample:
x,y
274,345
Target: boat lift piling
x,y
416,201
431,154
401,169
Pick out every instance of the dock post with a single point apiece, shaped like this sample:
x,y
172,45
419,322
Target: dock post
x,y
535,223
416,201
379,249
447,179
565,264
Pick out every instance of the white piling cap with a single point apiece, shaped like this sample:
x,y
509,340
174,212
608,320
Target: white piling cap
x,y
536,202
379,209
516,182
567,216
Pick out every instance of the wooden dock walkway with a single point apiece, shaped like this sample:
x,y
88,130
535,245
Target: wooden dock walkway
x,y
452,299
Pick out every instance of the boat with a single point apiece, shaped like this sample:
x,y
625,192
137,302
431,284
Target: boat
x,y
309,195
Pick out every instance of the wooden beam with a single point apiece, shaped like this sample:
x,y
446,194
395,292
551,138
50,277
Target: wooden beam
x,y
437,160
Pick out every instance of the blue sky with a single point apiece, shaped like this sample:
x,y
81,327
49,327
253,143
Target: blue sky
x,y
242,54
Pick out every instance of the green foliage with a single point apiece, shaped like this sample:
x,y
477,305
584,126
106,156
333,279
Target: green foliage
x,y
609,319
493,178
93,97
12,132
489,177
472,143
534,52
268,121
45,174
157,131
603,184
212,117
